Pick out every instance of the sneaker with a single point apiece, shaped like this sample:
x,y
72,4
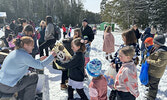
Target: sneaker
x,y
63,87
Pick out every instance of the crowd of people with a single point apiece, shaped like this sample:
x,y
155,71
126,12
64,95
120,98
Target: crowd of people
x,y
15,75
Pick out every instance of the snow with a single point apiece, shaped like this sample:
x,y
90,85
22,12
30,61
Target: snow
x,y
51,90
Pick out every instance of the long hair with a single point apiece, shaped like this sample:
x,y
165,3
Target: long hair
x,y
49,20
130,37
28,28
108,29
78,42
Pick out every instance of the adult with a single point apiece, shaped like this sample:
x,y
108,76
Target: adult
x,y
14,76
64,31
42,35
8,31
136,31
153,30
13,25
86,30
144,36
49,35
19,28
29,31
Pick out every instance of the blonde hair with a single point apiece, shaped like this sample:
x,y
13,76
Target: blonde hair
x,y
41,23
128,51
19,43
108,29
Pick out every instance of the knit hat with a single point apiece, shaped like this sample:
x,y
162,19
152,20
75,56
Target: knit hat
x,y
86,38
94,68
149,40
160,40
84,20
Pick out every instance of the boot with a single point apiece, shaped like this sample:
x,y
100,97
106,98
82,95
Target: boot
x,y
63,87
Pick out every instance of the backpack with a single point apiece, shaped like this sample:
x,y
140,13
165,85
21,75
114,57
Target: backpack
x,y
57,32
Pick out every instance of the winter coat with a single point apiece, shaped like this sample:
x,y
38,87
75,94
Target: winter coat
x,y
12,26
7,32
98,89
49,31
157,62
144,37
126,79
75,66
16,65
116,59
67,45
42,34
64,29
137,34
108,44
87,31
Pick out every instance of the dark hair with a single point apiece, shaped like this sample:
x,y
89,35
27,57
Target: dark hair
x,y
63,25
78,42
49,20
19,43
23,21
128,51
130,37
28,28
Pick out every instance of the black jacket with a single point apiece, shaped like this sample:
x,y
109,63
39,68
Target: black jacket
x,y
75,66
137,34
67,45
87,32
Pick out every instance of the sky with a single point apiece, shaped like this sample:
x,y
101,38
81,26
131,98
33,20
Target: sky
x,y
92,5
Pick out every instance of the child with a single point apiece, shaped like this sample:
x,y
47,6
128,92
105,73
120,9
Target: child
x,y
129,39
76,69
108,44
157,64
126,79
10,42
98,85
148,49
87,52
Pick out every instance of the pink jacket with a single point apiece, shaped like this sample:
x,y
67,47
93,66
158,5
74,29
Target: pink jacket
x,y
126,79
98,89
108,44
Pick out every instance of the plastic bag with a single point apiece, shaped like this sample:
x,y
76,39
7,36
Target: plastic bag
x,y
144,79
110,75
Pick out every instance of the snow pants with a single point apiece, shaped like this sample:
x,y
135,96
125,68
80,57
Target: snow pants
x,y
79,91
124,96
153,88
26,87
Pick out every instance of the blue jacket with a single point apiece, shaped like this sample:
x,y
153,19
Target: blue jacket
x,y
145,36
16,65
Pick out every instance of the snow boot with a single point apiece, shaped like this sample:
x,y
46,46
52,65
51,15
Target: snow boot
x,y
63,86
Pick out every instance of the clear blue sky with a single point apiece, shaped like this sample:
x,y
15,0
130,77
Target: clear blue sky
x,y
92,5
